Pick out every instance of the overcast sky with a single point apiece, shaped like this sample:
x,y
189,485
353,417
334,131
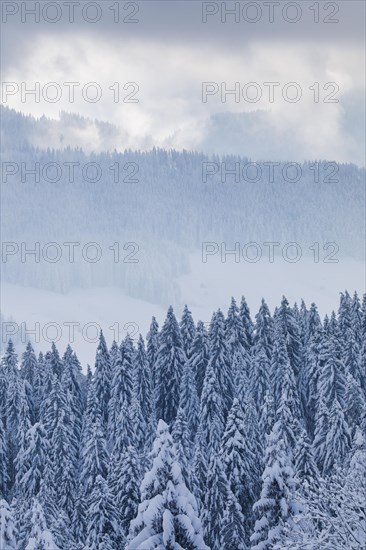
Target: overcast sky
x,y
170,52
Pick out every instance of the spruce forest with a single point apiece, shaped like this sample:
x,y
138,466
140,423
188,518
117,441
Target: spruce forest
x,y
245,432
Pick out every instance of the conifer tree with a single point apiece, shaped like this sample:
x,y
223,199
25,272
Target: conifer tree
x,y
143,385
169,367
167,514
125,486
188,413
102,379
10,360
338,440
152,347
95,455
212,421
259,377
332,380
247,322
240,460
187,330
321,432
355,404
4,476
219,360
31,463
102,525
39,535
7,527
232,533
122,387
29,374
263,330
276,506
216,496
236,336
199,356
287,325
305,467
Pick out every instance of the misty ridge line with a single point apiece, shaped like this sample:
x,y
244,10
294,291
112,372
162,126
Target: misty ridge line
x,y
18,127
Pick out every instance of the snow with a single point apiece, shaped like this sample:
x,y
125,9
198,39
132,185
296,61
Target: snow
x,y
208,286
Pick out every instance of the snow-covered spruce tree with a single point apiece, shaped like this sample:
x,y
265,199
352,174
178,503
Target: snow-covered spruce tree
x,y
241,369
263,330
356,317
286,324
39,536
10,360
338,440
7,527
63,455
121,387
24,424
355,404
3,391
199,356
113,355
244,314
143,387
169,364
219,360
308,379
211,421
345,315
74,384
102,379
240,462
79,518
152,346
276,506
55,361
288,411
102,525
267,414
313,323
187,330
31,463
181,438
363,345
167,515
199,468
259,376
321,432
232,531
95,455
28,371
332,378
305,467
18,422
351,357
236,337
4,476
125,487
215,498
186,423
280,366
310,335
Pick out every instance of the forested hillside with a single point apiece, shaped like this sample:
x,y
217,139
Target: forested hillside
x,y
250,434
168,204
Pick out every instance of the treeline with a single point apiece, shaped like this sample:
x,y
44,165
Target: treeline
x,y
248,435
156,190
